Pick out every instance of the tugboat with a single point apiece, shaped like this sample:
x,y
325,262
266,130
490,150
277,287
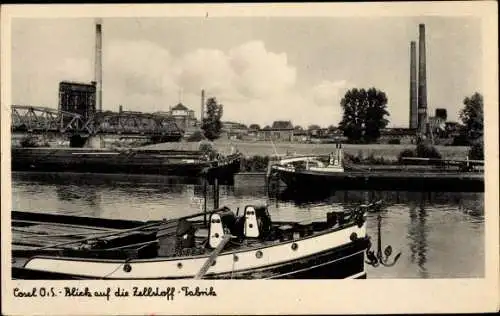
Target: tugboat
x,y
312,163
313,174
308,172
219,244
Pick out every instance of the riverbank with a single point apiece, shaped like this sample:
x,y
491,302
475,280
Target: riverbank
x,y
256,155
260,148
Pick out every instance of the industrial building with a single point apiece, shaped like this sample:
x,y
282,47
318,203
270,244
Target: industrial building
x,y
77,97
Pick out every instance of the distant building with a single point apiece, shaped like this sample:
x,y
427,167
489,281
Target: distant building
x,y
77,97
253,131
320,132
441,113
452,129
279,131
404,135
301,136
438,126
234,130
183,117
326,135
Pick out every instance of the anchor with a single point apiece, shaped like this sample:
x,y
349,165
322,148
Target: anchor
x,y
376,259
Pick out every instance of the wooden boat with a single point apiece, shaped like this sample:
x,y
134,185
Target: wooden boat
x,y
316,173
133,161
219,244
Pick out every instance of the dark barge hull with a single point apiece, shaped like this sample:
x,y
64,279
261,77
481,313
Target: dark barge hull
x,y
382,180
337,263
168,163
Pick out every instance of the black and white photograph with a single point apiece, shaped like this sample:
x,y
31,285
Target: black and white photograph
x,y
202,147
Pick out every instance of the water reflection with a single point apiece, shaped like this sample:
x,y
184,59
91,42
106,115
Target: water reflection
x,y
102,180
417,236
71,193
469,202
425,226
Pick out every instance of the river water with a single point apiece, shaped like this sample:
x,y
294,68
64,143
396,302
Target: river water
x,y
440,235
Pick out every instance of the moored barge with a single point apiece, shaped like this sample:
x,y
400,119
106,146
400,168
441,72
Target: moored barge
x,y
316,173
132,161
219,244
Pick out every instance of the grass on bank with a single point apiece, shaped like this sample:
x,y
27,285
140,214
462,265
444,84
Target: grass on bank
x,y
389,152
256,154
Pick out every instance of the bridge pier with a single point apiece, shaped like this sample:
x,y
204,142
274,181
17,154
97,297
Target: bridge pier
x,y
92,141
95,141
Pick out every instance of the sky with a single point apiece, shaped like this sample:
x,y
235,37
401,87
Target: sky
x,y
261,69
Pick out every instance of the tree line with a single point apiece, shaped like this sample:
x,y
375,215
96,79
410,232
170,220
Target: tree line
x,y
365,114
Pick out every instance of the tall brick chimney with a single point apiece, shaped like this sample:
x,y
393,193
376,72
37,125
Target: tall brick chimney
x,y
422,83
98,63
413,86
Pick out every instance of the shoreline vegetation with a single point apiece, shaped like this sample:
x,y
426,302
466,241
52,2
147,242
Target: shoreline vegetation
x,y
256,154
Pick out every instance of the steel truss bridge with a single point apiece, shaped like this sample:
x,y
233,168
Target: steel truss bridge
x,y
43,120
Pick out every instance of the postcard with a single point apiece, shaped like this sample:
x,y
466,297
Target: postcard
x,y
244,158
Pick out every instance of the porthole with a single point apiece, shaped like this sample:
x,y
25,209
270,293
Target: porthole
x,y
258,254
216,235
179,265
353,236
295,246
214,262
235,258
127,267
250,225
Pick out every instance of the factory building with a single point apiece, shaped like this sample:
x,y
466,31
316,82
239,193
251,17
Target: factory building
x,y
79,98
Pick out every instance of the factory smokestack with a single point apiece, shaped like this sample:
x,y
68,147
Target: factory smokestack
x,y
98,63
422,83
202,111
413,86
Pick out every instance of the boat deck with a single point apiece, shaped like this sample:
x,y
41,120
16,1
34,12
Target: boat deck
x,y
52,234
74,236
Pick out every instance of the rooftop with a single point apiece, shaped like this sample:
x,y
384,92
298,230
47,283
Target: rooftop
x,y
281,125
180,107
67,82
